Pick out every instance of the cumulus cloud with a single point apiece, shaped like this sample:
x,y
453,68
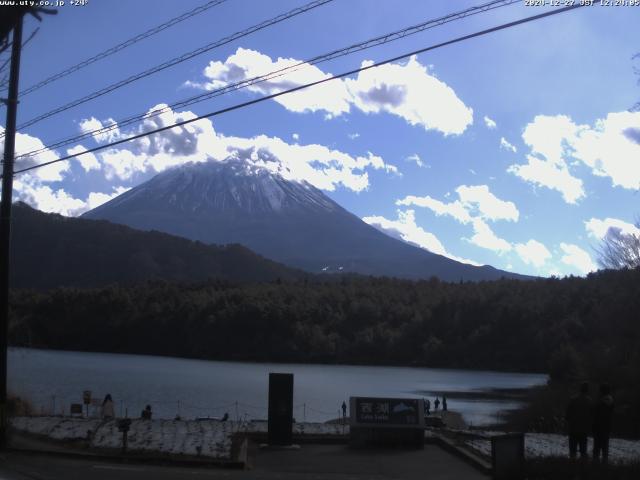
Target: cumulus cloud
x,y
353,136
479,199
405,228
610,148
58,200
453,209
484,236
46,199
577,258
295,136
412,93
408,90
95,199
321,166
88,161
489,123
599,229
27,143
330,97
533,253
505,144
109,130
474,201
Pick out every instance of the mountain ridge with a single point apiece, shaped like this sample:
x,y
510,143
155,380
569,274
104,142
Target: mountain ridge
x,y
50,250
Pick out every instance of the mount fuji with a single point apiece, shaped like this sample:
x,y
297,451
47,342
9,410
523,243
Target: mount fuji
x,y
289,221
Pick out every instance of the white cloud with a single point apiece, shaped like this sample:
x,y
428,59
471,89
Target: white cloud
x,y
610,148
405,90
321,166
489,123
478,198
484,237
295,136
353,136
88,161
95,199
550,175
330,97
504,143
576,257
533,253
50,200
412,93
405,228
546,165
27,143
111,131
454,209
46,199
474,201
598,229
415,158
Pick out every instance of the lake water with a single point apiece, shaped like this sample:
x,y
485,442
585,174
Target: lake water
x,y
52,380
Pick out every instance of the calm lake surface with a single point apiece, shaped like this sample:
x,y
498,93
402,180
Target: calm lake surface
x,y
198,388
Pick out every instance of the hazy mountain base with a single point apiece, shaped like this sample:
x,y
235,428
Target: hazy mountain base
x,y
573,328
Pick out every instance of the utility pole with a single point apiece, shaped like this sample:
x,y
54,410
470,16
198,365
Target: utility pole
x,y
5,220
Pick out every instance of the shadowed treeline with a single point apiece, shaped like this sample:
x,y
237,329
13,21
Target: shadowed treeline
x,y
573,328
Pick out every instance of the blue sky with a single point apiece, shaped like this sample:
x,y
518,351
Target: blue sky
x,y
516,149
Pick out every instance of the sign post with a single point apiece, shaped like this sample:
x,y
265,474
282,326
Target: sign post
x,y
86,399
386,421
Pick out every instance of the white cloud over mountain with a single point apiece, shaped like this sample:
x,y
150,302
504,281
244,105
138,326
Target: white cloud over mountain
x,y
321,166
405,228
407,90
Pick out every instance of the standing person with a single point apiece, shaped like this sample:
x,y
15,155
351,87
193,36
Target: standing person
x,y
436,404
108,411
444,403
146,413
602,416
344,412
427,406
579,420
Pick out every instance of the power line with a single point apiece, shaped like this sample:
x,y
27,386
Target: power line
x,y
177,60
311,84
123,45
379,40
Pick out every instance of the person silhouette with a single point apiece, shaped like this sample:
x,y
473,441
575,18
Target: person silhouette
x,y
344,412
436,404
579,421
603,413
108,410
444,403
146,413
427,406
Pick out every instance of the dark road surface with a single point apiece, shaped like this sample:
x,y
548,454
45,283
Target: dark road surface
x,y
310,462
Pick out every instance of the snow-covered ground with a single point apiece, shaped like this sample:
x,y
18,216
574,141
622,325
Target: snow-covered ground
x,y
553,445
205,438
